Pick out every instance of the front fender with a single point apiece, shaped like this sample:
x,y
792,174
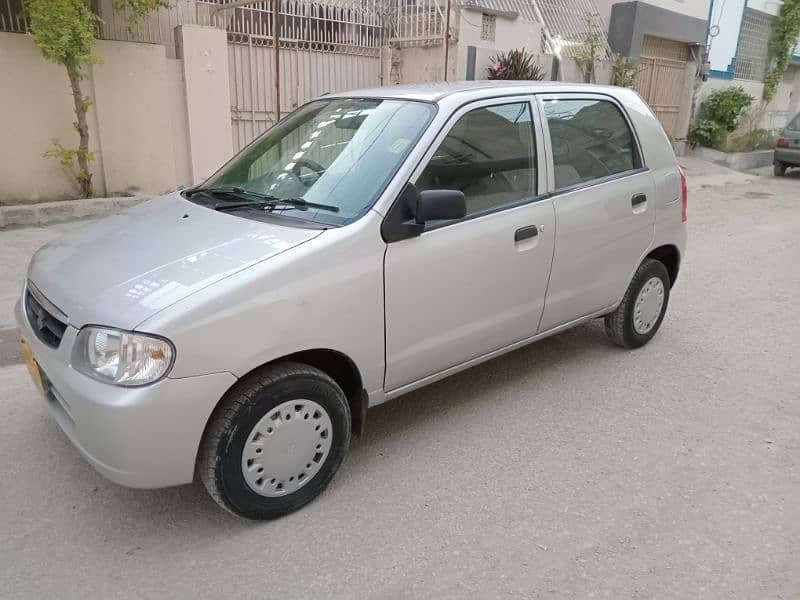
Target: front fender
x,y
326,293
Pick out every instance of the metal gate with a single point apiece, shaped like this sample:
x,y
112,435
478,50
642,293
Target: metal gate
x,y
323,48
661,78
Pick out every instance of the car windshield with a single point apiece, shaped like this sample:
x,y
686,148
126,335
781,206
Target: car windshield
x,y
327,162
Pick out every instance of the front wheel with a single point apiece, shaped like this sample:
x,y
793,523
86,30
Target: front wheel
x,y
639,315
275,441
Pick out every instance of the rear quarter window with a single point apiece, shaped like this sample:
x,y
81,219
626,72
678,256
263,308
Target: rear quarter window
x,y
590,139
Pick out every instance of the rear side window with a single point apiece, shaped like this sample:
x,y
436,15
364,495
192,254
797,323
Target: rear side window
x,y
794,124
489,155
590,139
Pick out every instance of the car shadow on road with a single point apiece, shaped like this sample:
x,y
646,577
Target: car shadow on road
x,y
468,389
190,509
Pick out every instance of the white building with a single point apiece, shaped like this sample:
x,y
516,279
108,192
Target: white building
x,y
739,31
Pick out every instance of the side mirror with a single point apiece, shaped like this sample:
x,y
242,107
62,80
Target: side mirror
x,y
440,205
407,216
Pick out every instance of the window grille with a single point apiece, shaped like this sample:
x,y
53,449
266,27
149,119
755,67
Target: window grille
x,y
752,57
488,23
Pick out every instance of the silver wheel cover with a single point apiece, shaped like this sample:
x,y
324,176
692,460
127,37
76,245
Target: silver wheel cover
x,y
648,305
287,448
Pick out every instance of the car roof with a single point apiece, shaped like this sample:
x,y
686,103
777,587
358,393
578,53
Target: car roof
x,y
434,92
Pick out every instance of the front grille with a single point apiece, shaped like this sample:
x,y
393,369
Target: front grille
x,y
44,324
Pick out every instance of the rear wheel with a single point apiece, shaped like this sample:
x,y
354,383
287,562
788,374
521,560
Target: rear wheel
x,y
639,315
779,169
275,441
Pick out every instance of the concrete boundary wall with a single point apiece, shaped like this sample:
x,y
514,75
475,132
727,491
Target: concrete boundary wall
x,y
155,123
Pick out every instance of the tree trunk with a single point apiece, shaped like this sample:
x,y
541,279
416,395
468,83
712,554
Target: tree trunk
x,y
83,176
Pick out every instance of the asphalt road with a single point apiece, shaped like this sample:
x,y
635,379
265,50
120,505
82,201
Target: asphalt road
x,y
569,469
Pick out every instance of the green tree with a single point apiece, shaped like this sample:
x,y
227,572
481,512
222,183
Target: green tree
x,y
592,50
64,31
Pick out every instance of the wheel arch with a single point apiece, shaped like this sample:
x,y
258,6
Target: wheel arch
x,y
670,257
343,370
338,366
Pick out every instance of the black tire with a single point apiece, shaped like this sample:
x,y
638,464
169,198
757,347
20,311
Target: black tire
x,y
219,459
620,324
779,169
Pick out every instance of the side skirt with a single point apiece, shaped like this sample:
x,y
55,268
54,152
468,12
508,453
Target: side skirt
x,y
376,398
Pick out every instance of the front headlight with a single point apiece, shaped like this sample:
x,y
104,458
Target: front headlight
x,y
121,357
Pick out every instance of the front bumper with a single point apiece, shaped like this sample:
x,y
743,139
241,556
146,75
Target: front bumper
x,y
145,437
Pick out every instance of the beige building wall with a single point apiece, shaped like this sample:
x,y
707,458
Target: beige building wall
x,y
204,51
133,112
36,104
510,33
155,122
420,64
176,95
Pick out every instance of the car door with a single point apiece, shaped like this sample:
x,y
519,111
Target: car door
x,y
464,288
603,196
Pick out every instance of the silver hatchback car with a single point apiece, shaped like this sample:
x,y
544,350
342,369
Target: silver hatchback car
x,y
368,244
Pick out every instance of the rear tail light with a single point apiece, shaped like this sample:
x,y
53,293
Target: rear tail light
x,y
684,195
783,143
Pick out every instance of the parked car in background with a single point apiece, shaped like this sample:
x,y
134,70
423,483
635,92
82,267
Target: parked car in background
x,y
369,244
787,149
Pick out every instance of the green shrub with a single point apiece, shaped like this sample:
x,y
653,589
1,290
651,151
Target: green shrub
x,y
719,115
623,71
757,139
707,133
515,64
726,106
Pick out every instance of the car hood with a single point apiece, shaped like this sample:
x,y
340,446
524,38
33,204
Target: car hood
x,y
123,269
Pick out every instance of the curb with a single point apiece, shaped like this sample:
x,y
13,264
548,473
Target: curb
x,y
46,213
739,161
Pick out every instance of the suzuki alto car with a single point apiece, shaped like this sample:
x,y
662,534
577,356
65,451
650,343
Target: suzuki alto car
x,y
369,244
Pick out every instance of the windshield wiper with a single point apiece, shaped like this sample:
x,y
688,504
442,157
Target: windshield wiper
x,y
264,200
222,191
298,203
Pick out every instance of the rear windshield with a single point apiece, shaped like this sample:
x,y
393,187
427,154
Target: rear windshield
x,y
794,124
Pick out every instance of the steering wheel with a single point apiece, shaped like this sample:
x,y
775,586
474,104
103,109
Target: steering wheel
x,y
313,166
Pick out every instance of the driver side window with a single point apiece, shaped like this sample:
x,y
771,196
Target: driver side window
x,y
489,155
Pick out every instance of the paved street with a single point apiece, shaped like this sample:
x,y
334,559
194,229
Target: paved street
x,y
569,469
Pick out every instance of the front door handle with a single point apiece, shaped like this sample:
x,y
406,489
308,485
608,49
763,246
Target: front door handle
x,y
525,233
638,199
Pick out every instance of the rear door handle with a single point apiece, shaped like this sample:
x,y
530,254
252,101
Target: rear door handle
x,y
525,233
638,199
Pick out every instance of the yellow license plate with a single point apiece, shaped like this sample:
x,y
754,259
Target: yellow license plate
x,y
33,366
